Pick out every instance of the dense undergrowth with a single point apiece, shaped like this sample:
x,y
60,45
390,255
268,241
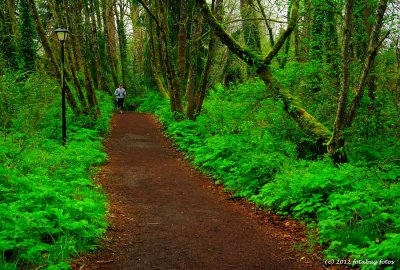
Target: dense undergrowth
x,y
51,208
246,141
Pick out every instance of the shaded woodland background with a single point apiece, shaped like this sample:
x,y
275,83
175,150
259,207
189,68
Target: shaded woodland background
x,y
294,105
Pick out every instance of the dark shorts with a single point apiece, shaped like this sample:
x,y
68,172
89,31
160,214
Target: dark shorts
x,y
120,102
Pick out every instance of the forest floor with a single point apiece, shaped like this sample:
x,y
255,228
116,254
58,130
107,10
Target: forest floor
x,y
166,215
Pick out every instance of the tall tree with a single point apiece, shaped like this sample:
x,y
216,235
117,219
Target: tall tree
x,y
345,118
119,9
27,43
8,34
75,9
109,37
212,46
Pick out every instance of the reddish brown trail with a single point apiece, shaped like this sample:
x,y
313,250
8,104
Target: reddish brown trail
x,y
165,215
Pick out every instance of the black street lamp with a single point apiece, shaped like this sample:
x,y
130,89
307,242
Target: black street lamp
x,y
62,35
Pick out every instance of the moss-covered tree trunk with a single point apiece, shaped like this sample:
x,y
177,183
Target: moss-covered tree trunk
x,y
119,10
77,29
27,43
154,58
345,117
73,60
8,34
336,143
108,24
95,42
204,79
50,54
309,124
191,88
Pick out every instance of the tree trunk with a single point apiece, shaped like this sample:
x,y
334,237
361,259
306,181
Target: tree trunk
x,y
109,40
283,59
194,55
155,60
336,143
47,48
172,76
343,119
212,45
269,28
76,27
13,19
71,53
372,52
95,47
182,41
122,41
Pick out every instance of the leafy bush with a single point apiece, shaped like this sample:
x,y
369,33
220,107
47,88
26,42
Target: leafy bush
x,y
51,208
150,102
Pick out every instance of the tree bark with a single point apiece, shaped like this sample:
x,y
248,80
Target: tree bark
x,y
173,80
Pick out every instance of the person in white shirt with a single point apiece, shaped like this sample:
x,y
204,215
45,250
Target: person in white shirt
x,y
120,94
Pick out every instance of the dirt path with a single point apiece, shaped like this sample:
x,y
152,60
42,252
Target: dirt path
x,y
165,215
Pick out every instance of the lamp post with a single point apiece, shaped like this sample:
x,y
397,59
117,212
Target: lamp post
x,y
62,35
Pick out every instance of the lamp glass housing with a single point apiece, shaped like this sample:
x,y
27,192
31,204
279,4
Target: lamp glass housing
x,y
62,34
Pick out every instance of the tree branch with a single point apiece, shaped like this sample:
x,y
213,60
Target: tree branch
x,y
150,14
254,19
372,52
282,38
246,55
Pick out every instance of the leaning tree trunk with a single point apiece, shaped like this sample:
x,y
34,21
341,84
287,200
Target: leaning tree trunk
x,y
311,126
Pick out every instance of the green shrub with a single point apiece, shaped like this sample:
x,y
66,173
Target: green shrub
x,y
51,208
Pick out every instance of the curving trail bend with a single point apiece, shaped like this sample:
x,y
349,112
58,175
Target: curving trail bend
x,y
165,215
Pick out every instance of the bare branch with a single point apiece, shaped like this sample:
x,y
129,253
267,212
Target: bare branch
x,y
254,19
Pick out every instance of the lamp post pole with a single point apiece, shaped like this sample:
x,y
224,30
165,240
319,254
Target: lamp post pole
x,y
62,36
64,121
